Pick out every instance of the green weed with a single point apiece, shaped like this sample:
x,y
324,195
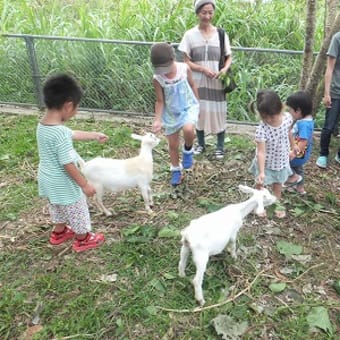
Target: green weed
x,y
129,288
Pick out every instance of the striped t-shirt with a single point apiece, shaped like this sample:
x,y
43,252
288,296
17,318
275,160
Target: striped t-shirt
x,y
56,150
207,52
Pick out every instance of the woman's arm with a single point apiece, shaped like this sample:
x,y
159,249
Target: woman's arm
x,y
192,83
199,68
227,64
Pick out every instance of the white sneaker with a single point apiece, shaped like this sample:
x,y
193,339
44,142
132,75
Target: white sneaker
x,y
199,149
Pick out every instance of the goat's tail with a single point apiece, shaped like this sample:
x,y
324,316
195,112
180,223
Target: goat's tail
x,y
81,162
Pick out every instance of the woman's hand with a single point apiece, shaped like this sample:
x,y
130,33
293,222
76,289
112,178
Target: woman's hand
x,y
209,73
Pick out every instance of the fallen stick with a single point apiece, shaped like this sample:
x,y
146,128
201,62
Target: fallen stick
x,y
201,309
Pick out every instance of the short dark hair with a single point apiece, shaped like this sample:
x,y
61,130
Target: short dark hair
x,y
302,101
268,103
59,89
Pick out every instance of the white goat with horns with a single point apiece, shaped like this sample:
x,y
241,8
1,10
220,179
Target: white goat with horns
x,y
116,175
211,233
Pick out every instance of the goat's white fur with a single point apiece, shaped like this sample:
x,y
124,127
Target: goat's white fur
x,y
116,175
211,233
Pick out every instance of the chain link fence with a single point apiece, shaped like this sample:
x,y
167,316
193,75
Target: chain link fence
x,y
117,75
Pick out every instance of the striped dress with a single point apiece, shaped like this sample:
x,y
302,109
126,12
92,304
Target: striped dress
x,y
55,150
213,106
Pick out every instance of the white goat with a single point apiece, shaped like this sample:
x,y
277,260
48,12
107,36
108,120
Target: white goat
x,y
211,233
115,175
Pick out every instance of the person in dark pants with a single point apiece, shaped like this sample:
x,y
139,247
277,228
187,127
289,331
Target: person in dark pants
x,y
331,100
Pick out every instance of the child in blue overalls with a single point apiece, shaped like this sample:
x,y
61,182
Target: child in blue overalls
x,y
176,106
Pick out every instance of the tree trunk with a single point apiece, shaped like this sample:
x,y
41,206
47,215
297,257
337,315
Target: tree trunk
x,y
307,63
330,15
319,65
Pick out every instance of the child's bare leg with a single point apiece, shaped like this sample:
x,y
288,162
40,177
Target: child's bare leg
x,y
277,190
59,227
293,178
300,189
173,143
189,134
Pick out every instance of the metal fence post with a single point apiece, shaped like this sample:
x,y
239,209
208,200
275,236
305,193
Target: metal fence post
x,y
35,69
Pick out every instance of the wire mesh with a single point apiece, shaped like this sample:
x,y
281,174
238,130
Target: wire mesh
x,y
117,75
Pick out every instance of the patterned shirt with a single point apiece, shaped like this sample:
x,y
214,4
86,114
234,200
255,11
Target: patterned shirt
x,y
277,143
56,150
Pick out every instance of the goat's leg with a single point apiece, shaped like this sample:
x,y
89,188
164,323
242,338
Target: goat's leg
x,y
185,250
99,202
232,246
150,197
144,191
201,259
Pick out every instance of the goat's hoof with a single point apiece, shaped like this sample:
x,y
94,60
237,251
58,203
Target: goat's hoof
x,y
181,274
262,214
107,214
201,302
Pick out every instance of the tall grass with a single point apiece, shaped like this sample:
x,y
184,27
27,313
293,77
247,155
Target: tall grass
x,y
118,77
279,24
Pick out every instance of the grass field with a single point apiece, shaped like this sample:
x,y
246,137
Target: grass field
x,y
284,285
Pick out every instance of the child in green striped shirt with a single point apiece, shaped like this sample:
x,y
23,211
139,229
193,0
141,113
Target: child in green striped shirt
x,y
59,179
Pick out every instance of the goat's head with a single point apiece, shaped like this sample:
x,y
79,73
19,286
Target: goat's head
x,y
148,139
263,197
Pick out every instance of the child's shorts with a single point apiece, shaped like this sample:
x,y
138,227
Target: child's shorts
x,y
271,176
75,215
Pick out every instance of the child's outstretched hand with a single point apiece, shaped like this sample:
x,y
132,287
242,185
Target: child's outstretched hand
x,y
260,181
101,137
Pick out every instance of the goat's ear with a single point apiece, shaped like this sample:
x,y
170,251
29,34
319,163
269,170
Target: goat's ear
x,y
134,136
246,189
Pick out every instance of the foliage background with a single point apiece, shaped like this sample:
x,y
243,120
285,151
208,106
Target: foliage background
x,y
118,77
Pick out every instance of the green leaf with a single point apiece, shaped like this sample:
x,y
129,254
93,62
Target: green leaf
x,y
172,215
158,285
336,286
277,287
169,276
317,207
288,249
11,216
4,157
168,233
131,230
152,310
318,317
228,328
298,212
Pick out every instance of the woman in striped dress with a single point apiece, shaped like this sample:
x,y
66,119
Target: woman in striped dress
x,y
201,48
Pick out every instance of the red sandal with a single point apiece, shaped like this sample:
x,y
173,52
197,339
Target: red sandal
x,y
91,240
59,238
